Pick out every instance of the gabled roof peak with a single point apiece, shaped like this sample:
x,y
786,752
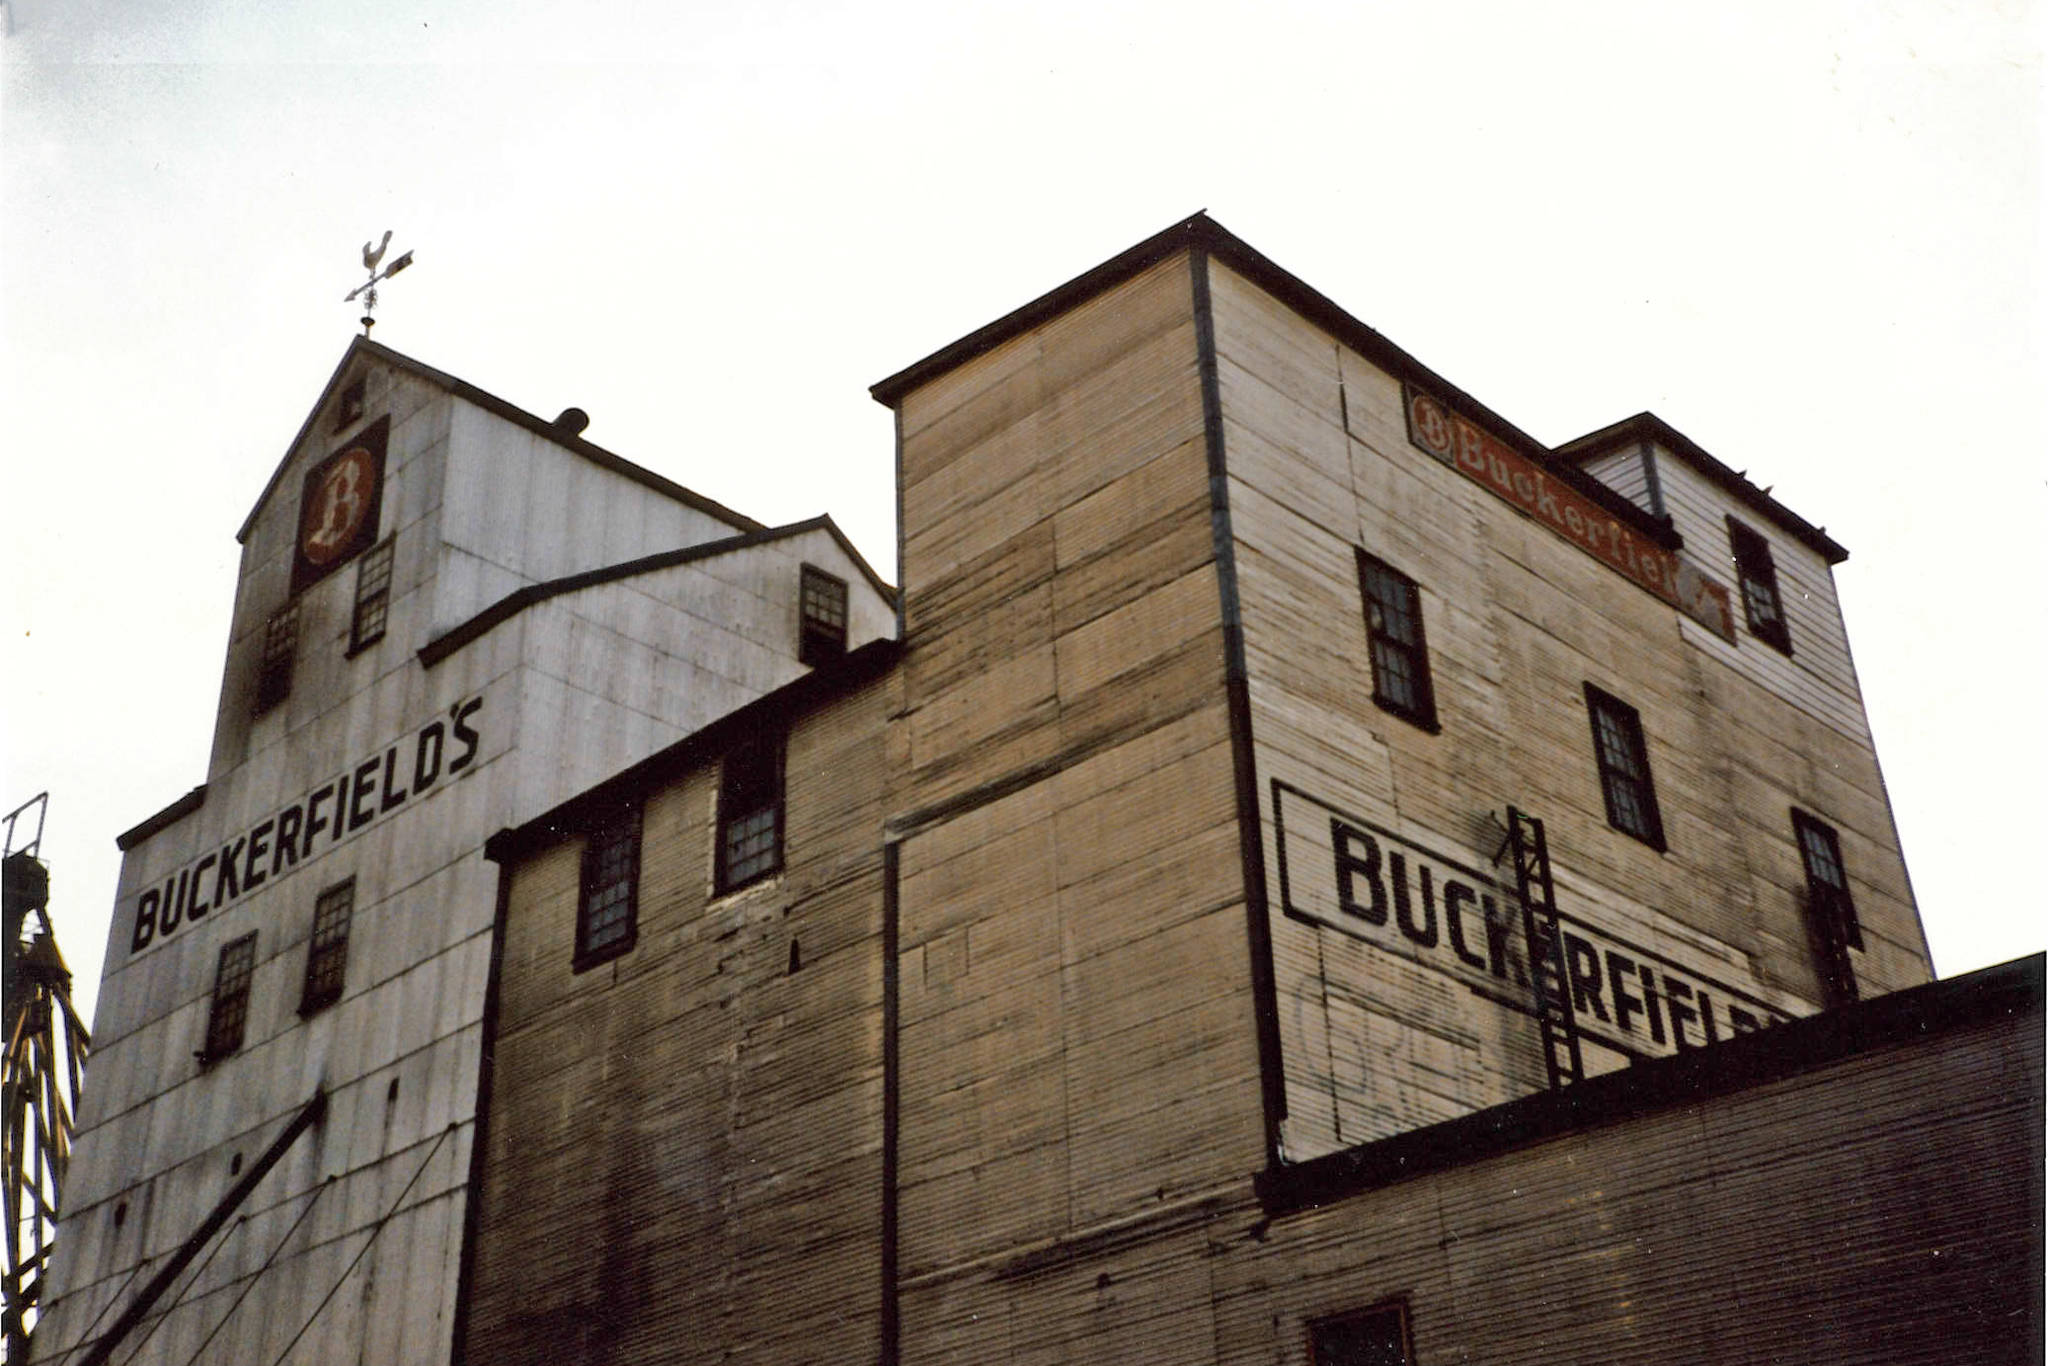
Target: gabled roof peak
x,y
557,431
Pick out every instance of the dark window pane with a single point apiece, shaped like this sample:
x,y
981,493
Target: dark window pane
x,y
1395,646
607,911
750,814
274,671
327,951
229,1015
1378,1337
1832,923
1758,575
823,633
373,597
1624,763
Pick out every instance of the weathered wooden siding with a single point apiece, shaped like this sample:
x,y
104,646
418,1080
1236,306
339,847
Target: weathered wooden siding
x,y
1885,1208
564,694
1628,474
1879,1208
703,1125
1819,678
1377,1035
1077,1023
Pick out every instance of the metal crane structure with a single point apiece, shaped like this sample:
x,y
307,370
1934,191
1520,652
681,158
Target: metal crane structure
x,y
47,1045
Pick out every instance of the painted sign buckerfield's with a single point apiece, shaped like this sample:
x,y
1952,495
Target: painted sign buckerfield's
x,y
275,846
1444,913
1508,474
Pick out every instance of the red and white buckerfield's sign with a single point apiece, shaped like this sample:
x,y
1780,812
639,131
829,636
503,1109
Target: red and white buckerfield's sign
x,y
1513,477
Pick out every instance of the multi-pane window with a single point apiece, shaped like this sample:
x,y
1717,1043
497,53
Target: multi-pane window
x,y
750,814
1830,910
327,951
823,637
1373,1337
373,597
1624,768
607,910
1400,657
274,670
1758,573
229,1016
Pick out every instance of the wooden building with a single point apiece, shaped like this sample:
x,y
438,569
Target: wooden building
x,y
451,615
1308,873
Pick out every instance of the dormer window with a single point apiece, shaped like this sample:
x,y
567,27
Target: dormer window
x,y
823,602
1759,575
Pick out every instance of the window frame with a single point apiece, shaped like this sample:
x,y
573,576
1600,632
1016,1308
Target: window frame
x,y
619,831
1397,1308
820,640
767,751
1629,723
316,990
373,595
227,1014
278,652
1830,906
1383,645
1756,577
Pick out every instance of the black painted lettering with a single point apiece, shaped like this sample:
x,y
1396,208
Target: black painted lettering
x,y
196,903
145,920
341,825
465,736
1584,963
1626,1002
1456,896
1350,866
1650,1003
315,822
426,757
1676,995
365,788
1500,945
253,872
288,822
171,902
1744,1022
225,887
1424,933
393,794
1707,1018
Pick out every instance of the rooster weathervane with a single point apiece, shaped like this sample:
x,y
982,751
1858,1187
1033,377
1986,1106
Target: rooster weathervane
x,y
368,289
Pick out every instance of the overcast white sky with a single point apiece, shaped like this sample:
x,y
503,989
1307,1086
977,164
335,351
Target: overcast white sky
x,y
1808,234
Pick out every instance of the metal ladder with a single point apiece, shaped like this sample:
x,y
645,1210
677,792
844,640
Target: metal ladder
x,y
1544,937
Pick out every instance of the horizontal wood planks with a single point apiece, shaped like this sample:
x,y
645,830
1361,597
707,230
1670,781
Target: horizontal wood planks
x,y
1517,621
705,1122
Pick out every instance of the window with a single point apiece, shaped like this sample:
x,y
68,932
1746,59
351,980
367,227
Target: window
x,y
1759,576
274,673
1624,768
327,950
608,908
229,1016
823,637
1400,658
373,597
1830,910
750,814
350,408
1373,1337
